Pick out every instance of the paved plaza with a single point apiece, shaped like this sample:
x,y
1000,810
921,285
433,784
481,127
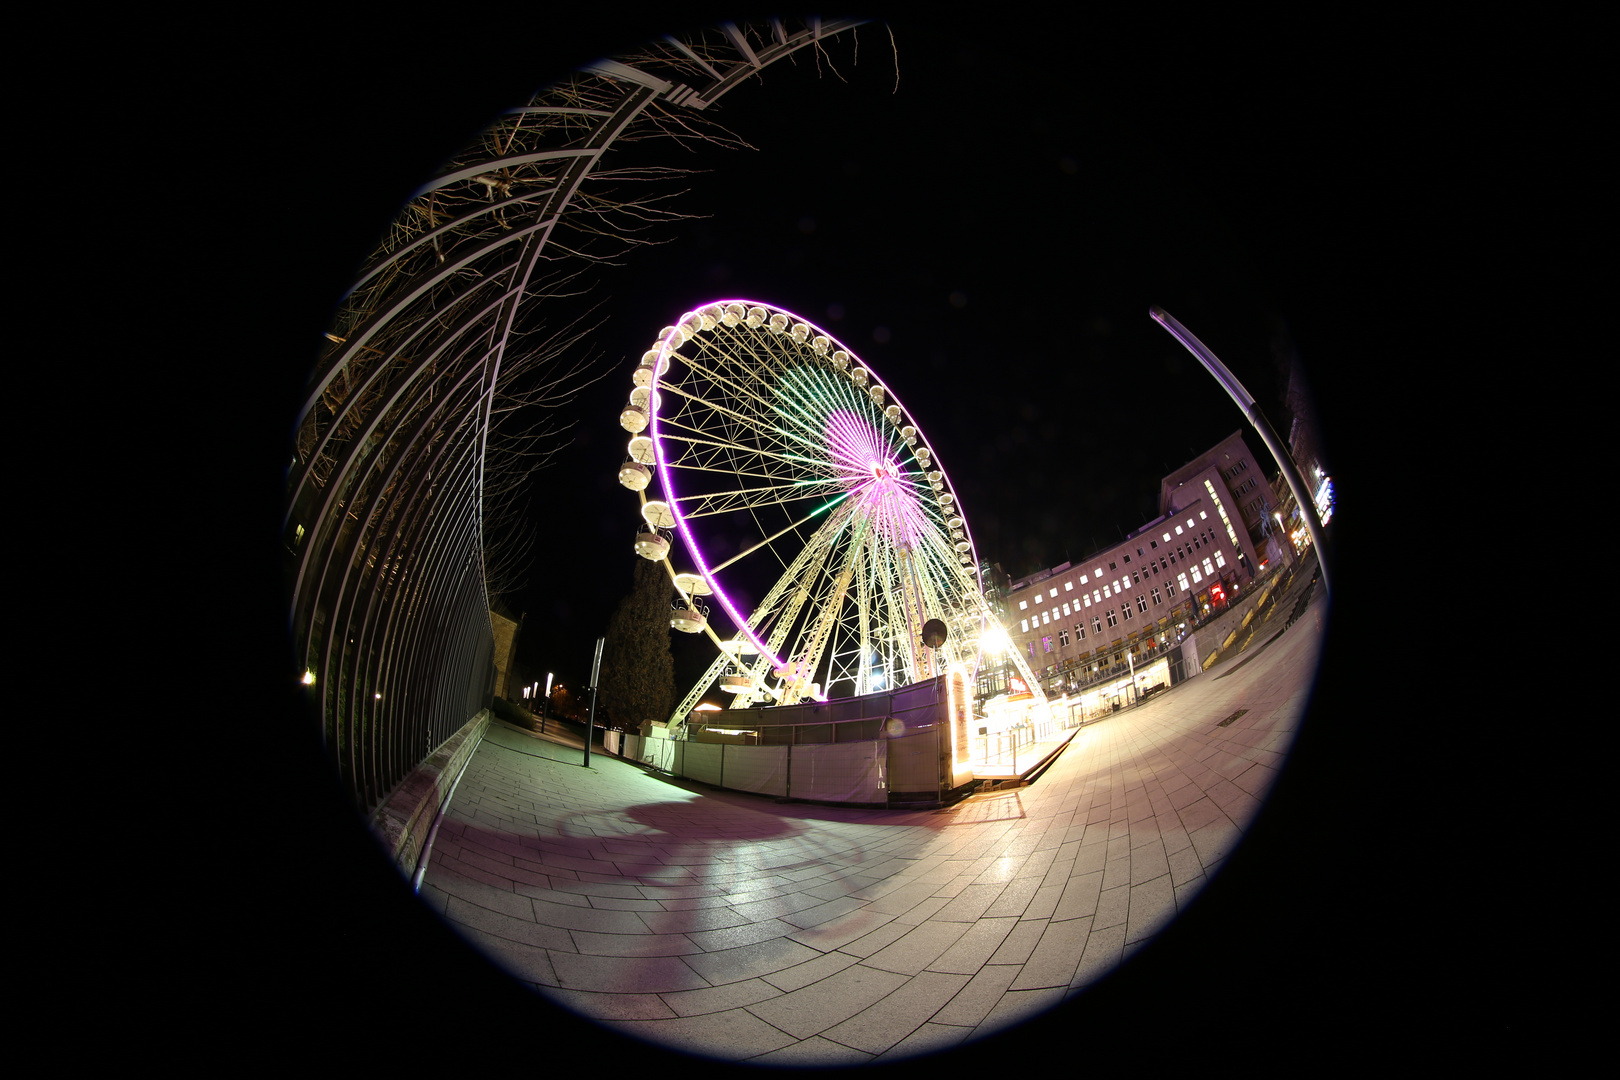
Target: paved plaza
x,y
747,930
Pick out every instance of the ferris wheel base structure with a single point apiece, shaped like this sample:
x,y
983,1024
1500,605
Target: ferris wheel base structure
x,y
908,745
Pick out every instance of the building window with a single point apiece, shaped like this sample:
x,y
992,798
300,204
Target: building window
x,y
1032,650
1113,566
1220,560
1045,618
1169,589
1167,538
1182,580
1087,600
1023,626
1022,604
1208,568
1125,610
1052,595
1202,515
1196,577
1178,531
1141,604
1154,544
1157,599
1063,639
1113,619
1127,558
1068,586
1079,631
1046,643
1065,607
1096,625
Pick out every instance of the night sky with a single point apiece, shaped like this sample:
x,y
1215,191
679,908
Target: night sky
x,y
991,255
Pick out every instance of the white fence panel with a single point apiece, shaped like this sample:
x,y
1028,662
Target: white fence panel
x,y
702,762
840,772
761,769
914,762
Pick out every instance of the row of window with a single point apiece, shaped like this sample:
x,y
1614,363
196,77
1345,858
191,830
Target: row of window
x,y
1184,553
1113,615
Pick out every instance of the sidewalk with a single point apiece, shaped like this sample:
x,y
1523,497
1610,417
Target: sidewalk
x,y
730,926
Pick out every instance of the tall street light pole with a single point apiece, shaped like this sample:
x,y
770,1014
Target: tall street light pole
x,y
1251,409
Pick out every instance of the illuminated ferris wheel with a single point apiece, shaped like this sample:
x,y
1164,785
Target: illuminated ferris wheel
x,y
814,516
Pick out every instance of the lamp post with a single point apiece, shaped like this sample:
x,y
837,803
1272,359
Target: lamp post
x,y
1245,401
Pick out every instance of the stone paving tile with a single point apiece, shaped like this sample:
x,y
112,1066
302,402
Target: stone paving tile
x,y
1020,942
526,963
1014,899
931,1038
690,920
881,1025
1113,906
1016,1006
1148,862
1214,842
1044,902
837,932
973,949
733,1035
592,944
1079,897
1184,866
918,949
611,1006
455,876
800,975
974,1001
776,906
751,961
819,1006
570,917
877,939
732,937
921,913
1117,872
1053,961
1186,890
814,1052
821,913
537,892
624,974
1103,949
712,999
970,904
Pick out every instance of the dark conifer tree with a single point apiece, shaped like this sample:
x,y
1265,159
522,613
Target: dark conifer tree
x,y
638,668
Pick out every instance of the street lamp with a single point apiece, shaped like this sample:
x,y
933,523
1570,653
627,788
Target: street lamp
x,y
1251,409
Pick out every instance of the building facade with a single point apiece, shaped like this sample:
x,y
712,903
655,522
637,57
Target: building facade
x,y
1129,600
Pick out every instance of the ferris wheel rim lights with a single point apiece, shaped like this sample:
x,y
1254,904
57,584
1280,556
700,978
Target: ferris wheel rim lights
x,y
778,320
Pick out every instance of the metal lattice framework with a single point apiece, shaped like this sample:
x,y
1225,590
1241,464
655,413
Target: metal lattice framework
x,y
783,461
431,402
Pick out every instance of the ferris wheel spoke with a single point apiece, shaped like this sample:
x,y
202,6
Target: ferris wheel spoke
x,y
727,502
773,441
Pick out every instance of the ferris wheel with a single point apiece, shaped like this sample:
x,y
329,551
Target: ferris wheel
x,y
808,508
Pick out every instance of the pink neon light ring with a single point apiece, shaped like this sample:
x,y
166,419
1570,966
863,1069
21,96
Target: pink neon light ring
x,y
865,463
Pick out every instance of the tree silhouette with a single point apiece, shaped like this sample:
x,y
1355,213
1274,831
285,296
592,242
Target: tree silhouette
x,y
638,669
